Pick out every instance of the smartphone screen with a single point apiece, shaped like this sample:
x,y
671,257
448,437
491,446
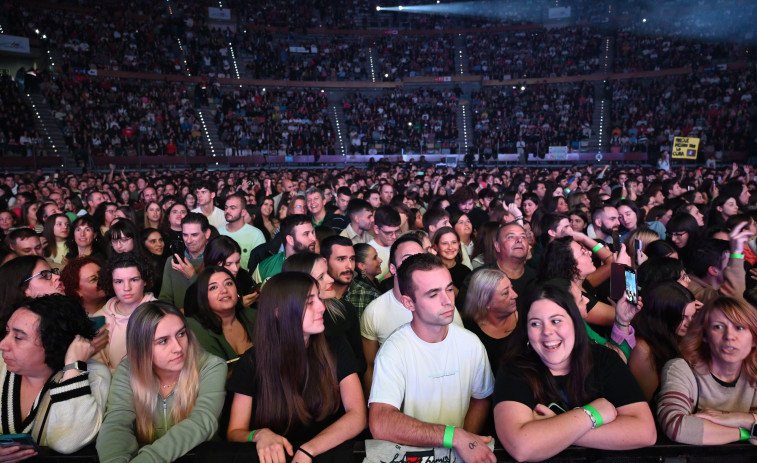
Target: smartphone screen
x,y
631,289
98,322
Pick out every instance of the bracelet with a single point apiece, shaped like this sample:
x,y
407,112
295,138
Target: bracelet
x,y
249,438
306,453
737,256
591,417
596,248
520,217
621,324
597,418
449,433
744,434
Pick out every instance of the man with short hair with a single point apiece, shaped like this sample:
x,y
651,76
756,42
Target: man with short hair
x,y
540,189
340,257
343,197
94,199
205,193
247,236
435,219
717,266
512,248
287,186
316,204
386,229
297,234
386,313
432,381
360,214
46,210
149,194
181,271
25,242
604,221
374,198
387,193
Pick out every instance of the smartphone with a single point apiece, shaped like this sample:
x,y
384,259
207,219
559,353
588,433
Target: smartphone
x,y
617,281
616,241
632,290
23,441
637,245
175,260
98,322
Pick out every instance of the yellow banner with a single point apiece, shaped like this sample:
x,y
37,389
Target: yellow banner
x,y
685,148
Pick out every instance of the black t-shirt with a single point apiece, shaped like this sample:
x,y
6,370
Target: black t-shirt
x,y
244,381
609,378
458,274
349,328
495,348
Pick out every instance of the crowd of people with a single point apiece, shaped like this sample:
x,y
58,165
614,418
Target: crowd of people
x,y
410,120
163,309
261,120
517,119
715,107
170,38
116,117
538,52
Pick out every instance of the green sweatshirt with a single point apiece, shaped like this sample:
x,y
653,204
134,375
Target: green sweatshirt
x,y
117,441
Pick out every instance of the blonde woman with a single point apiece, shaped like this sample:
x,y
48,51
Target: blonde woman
x,y
166,396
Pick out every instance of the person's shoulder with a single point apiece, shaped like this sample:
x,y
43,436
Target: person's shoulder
x,y
465,335
209,362
98,369
380,301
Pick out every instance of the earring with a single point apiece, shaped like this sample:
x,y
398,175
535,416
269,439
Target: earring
x,y
528,343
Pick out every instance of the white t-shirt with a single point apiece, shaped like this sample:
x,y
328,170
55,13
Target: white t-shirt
x,y
432,382
248,238
385,314
217,219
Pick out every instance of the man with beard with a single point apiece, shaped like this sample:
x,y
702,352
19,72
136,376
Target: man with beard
x,y
340,256
298,235
512,247
605,220
247,236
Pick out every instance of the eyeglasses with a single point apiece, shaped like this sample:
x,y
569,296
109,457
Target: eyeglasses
x,y
45,274
679,234
390,232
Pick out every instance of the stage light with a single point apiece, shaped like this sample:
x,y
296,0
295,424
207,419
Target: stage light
x,y
378,8
400,8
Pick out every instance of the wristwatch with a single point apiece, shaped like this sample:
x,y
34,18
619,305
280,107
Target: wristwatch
x,y
753,430
77,365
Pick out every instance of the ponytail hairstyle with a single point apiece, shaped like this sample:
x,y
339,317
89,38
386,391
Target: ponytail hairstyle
x,y
145,385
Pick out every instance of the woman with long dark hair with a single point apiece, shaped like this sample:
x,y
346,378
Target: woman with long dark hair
x,y
557,389
295,392
222,326
84,239
668,310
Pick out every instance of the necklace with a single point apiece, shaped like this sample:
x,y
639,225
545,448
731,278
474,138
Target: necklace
x,y
167,386
516,324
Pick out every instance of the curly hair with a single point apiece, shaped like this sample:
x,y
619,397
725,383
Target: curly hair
x,y
61,318
124,260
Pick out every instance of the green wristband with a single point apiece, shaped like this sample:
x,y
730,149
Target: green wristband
x,y
596,248
595,414
249,438
737,256
449,433
744,434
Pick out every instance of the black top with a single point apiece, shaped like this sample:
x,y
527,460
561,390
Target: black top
x,y
459,272
349,328
244,381
609,378
495,348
